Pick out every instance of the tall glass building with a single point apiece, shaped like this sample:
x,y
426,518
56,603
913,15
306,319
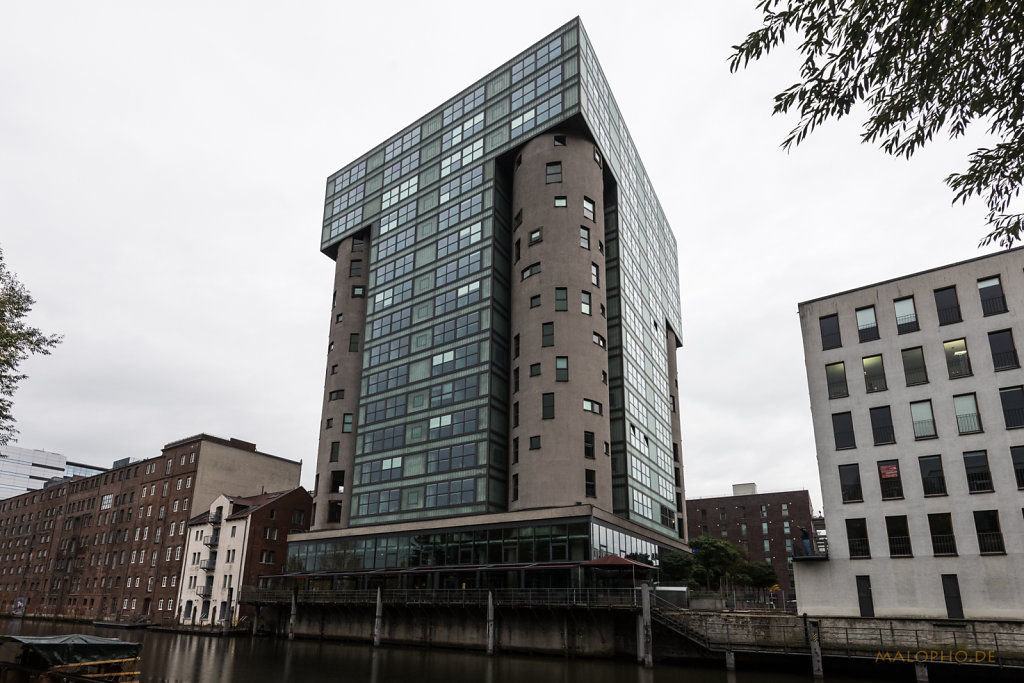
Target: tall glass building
x,y
503,332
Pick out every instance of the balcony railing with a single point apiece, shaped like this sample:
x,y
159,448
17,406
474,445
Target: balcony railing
x,y
968,423
993,305
875,382
831,340
868,332
892,488
899,546
859,547
852,493
215,517
979,482
1006,360
883,434
838,389
1014,417
204,591
934,485
949,315
581,597
845,439
959,367
212,541
916,376
944,544
208,565
991,542
907,323
924,429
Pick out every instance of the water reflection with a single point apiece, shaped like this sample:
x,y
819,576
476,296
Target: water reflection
x,y
178,658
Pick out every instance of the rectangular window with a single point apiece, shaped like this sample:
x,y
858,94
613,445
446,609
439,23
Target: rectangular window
x,y
585,303
515,346
913,366
990,535
979,477
906,315
857,538
599,340
515,487
548,406
933,479
590,479
536,235
353,342
592,406
889,479
530,270
957,361
835,374
355,268
534,443
588,208
535,301
1017,456
553,172
561,368
947,306
968,421
346,423
534,369
1004,352
899,536
547,334
990,290
867,326
585,237
358,291
874,374
842,429
515,450
561,201
561,299
940,525
595,275
881,426
849,483
588,450
924,422
830,337
517,251
1013,406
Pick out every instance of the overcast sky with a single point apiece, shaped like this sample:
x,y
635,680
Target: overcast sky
x,y
162,175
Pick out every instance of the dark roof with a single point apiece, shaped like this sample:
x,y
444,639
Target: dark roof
x,y
246,505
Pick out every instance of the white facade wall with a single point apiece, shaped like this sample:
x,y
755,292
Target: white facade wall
x,y
991,584
225,558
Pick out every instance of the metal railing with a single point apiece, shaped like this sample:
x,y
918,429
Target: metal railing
x,y
899,546
949,314
944,544
968,423
991,542
924,429
907,323
859,547
978,482
916,375
508,597
934,484
204,591
883,434
838,389
1014,417
215,517
1005,360
993,304
211,541
959,366
868,332
208,565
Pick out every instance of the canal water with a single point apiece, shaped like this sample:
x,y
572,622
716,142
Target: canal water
x,y
175,658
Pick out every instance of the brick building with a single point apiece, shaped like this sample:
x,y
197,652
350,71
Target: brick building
x,y
111,546
764,525
232,544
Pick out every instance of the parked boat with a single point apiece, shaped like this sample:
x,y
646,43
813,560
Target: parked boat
x,y
74,657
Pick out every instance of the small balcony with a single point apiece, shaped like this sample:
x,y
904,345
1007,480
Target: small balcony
x,y
899,546
216,517
944,544
819,551
991,543
211,541
204,591
208,565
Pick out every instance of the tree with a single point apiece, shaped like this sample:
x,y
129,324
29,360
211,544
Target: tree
x,y
921,68
676,565
18,341
716,561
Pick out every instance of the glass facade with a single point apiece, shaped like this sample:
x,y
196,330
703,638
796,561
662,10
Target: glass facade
x,y
432,203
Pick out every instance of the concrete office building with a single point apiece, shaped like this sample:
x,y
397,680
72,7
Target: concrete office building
x,y
503,327
30,469
917,397
766,526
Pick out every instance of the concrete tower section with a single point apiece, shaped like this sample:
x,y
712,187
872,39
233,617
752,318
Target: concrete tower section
x,y
560,427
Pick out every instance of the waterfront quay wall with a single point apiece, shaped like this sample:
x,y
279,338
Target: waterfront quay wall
x,y
857,636
577,632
